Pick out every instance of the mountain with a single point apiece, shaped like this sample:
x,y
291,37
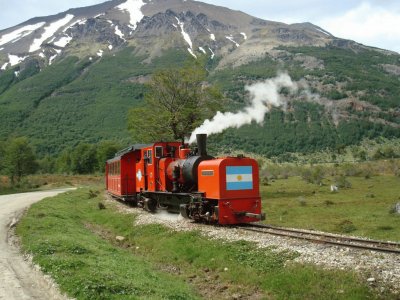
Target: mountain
x,y
73,76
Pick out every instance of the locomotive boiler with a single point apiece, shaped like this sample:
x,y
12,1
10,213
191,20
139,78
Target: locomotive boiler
x,y
171,176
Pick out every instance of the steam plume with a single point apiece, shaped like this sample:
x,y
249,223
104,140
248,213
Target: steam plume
x,y
263,95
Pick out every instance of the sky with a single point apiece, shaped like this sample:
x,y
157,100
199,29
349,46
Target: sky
x,y
370,22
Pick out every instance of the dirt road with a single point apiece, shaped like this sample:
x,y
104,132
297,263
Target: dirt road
x,y
18,280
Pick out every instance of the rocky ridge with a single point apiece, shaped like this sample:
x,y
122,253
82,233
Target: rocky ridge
x,y
152,26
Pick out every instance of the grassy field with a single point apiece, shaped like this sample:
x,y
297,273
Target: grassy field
x,y
47,181
75,242
364,209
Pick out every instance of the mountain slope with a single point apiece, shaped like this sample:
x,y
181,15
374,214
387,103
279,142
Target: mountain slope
x,y
73,76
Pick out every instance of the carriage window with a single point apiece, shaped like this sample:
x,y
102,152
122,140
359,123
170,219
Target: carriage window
x,y
159,151
150,156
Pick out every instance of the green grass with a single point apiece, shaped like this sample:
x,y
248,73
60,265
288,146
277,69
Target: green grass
x,y
42,182
74,241
294,203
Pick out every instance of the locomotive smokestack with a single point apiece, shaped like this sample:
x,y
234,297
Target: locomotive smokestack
x,y
202,143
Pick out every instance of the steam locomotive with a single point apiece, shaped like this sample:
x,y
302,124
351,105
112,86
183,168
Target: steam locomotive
x,y
169,175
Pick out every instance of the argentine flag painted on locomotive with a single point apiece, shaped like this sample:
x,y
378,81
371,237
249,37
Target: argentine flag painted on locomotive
x,y
239,178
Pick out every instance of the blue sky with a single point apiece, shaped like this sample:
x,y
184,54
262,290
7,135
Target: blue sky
x,y
371,22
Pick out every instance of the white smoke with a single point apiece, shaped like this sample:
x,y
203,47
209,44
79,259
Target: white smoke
x,y
263,95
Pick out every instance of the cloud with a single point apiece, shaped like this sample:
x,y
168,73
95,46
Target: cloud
x,y
371,25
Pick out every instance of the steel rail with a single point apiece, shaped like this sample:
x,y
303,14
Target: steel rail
x,y
326,238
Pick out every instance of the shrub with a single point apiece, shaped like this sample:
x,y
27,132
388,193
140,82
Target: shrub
x,y
342,182
345,226
328,202
302,201
315,175
395,208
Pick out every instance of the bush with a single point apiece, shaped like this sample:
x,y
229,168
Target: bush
x,y
345,226
395,208
302,201
329,202
342,182
314,175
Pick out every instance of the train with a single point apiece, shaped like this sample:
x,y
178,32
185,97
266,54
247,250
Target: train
x,y
174,177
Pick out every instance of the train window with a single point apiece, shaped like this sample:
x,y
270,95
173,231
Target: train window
x,y
150,156
159,151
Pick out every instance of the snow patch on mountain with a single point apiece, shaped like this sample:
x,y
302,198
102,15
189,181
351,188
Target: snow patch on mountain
x,y
212,53
100,53
20,33
323,31
119,33
41,54
212,36
244,35
110,47
186,36
63,41
192,53
49,31
133,7
202,50
232,40
52,58
80,21
13,60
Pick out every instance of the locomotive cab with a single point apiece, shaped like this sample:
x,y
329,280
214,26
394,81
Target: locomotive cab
x,y
232,183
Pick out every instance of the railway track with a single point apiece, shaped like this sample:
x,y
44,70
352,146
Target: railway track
x,y
325,238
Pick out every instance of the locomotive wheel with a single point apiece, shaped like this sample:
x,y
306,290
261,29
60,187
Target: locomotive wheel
x,y
150,204
184,210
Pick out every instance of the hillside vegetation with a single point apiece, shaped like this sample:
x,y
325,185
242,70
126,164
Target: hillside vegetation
x,y
81,100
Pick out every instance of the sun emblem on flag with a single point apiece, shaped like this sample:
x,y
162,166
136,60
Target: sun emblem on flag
x,y
239,177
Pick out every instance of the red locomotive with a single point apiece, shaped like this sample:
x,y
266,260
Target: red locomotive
x,y
171,176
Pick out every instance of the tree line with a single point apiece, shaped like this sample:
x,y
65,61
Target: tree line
x,y
18,159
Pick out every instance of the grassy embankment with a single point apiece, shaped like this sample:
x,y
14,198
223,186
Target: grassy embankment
x,y
364,209
75,241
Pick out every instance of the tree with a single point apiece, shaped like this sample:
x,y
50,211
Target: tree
x,y
47,165
63,163
84,159
105,150
178,100
19,159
